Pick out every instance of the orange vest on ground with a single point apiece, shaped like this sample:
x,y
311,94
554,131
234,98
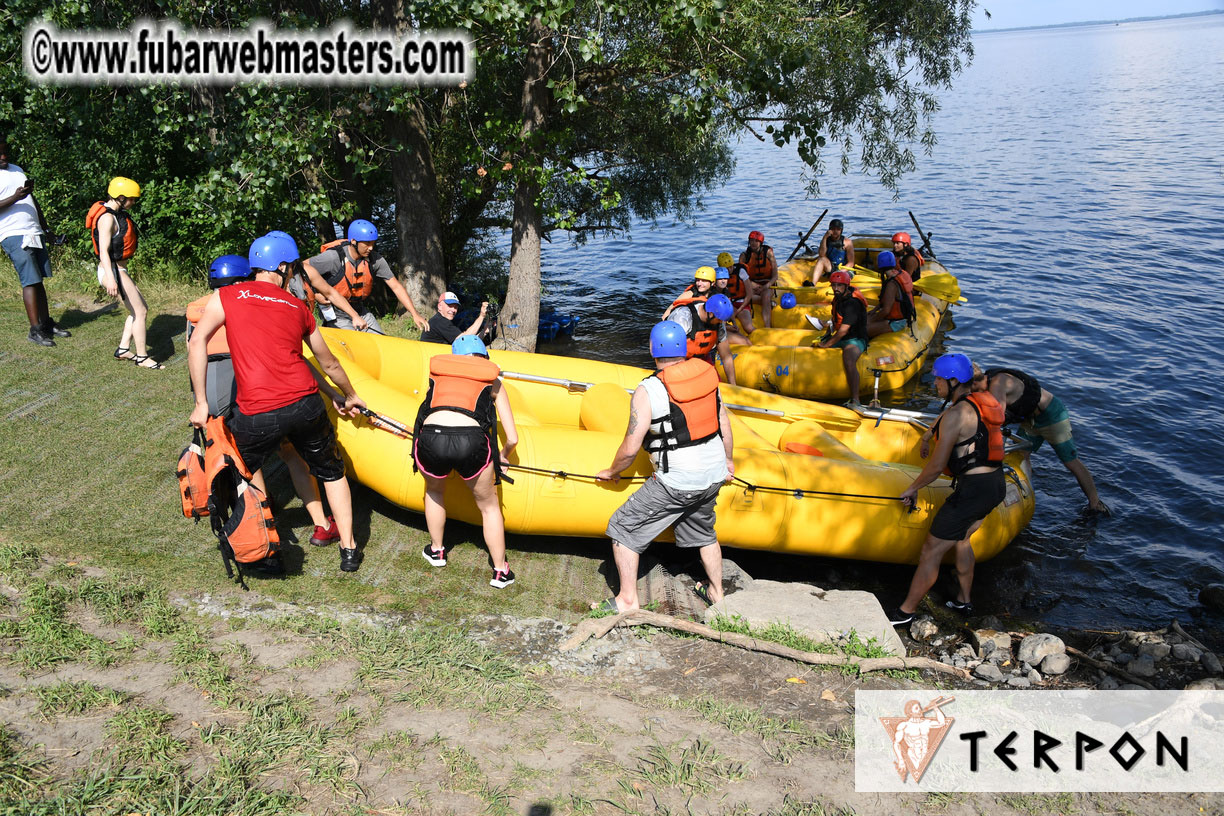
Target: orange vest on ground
x,y
358,280
757,264
987,440
693,403
123,241
217,344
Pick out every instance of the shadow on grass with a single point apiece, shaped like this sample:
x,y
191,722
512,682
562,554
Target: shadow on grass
x,y
162,331
73,318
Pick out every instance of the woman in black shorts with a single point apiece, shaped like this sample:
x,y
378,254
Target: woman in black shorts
x,y
456,431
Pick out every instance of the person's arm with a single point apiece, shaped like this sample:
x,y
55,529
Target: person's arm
x,y
888,296
478,322
110,275
42,221
501,400
401,294
841,333
18,194
635,435
332,368
773,267
212,319
823,250
329,295
850,260
728,359
724,427
950,427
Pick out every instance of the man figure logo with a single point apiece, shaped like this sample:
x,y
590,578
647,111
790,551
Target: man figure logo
x,y
916,737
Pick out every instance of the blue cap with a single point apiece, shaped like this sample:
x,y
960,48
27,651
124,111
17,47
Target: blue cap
x,y
270,251
228,269
719,306
954,367
886,260
668,339
362,230
469,344
788,300
722,273
449,297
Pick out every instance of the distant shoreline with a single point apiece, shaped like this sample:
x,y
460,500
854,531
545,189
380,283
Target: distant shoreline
x,y
1099,22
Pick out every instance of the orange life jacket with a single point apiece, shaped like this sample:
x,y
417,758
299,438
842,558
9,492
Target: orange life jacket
x,y
193,484
690,296
123,241
903,305
463,383
217,344
356,281
757,264
240,512
693,407
737,290
701,338
987,440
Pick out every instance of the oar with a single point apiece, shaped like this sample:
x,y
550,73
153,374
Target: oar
x,y
926,238
803,240
941,285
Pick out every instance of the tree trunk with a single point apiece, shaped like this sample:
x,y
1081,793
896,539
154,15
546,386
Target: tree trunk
x,y
520,315
417,220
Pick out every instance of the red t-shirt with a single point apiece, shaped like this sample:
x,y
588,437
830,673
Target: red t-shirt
x,y
266,326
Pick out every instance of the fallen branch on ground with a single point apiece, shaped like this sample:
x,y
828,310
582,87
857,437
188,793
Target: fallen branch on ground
x,y
599,627
1109,667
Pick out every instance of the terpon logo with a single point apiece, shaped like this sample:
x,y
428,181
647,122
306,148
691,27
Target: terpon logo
x,y
916,737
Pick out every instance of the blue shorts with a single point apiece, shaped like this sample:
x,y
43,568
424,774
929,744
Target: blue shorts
x,y
1052,425
861,345
899,324
33,263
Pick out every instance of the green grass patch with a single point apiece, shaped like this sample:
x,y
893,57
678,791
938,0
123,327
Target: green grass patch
x,y
695,768
139,737
20,770
69,698
782,739
45,637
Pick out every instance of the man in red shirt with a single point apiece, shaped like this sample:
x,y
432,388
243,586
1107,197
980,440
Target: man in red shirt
x,y
277,392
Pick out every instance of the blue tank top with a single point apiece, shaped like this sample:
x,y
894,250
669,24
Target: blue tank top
x,y
836,251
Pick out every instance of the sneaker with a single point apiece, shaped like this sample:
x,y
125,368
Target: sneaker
x,y
350,560
898,618
502,578
52,330
325,535
38,338
435,557
965,609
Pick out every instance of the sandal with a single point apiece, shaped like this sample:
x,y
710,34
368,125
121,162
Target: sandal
x,y
141,359
121,351
703,592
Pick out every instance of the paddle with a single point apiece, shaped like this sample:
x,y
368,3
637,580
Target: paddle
x,y
926,238
803,240
941,285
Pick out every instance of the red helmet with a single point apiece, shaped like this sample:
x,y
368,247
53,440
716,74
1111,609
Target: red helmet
x,y
756,235
901,237
840,276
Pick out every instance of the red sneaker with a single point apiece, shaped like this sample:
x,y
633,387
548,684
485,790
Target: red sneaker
x,y
325,535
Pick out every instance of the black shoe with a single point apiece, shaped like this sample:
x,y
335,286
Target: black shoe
x,y
898,618
350,560
51,330
38,338
963,609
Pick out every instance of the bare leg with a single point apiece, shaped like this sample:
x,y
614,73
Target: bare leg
x,y
304,485
341,501
627,571
737,339
850,356
435,510
134,327
1086,483
965,562
926,573
35,298
766,301
711,559
487,502
822,268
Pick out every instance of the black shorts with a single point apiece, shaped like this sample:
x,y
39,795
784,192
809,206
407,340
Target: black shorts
x,y
439,449
306,426
972,500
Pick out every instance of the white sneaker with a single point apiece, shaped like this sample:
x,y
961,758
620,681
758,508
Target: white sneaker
x,y
816,322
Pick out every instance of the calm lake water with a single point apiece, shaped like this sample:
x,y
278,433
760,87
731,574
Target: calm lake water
x,y
1076,192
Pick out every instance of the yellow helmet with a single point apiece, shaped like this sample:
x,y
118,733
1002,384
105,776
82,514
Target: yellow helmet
x,y
725,260
705,273
120,186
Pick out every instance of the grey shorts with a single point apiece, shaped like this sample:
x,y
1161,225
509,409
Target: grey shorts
x,y
343,321
655,507
32,263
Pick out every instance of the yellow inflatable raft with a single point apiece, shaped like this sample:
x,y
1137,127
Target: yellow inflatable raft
x,y
811,479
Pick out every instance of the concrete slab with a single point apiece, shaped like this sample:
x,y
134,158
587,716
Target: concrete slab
x,y
822,616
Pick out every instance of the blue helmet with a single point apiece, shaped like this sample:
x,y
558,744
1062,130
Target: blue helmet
x,y
228,269
362,230
788,300
954,367
719,306
280,234
722,273
469,344
668,339
886,260
270,251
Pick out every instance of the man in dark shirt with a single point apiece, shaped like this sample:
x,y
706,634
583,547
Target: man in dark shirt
x,y
848,330
442,328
